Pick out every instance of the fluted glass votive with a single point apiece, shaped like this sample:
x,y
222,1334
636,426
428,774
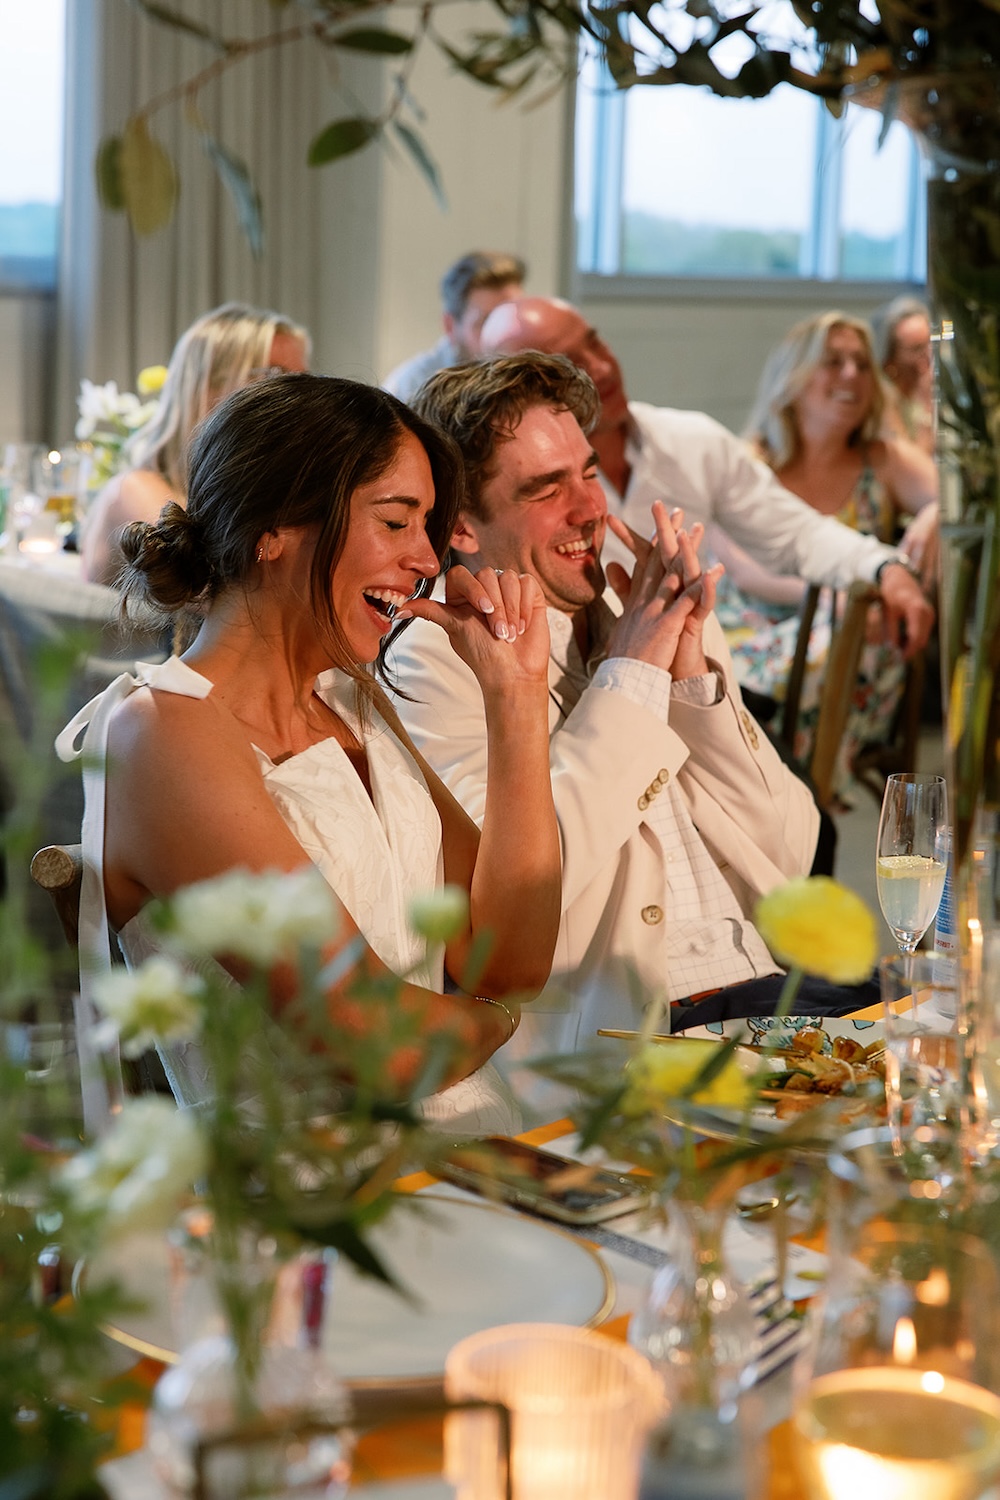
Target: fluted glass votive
x,y
581,1406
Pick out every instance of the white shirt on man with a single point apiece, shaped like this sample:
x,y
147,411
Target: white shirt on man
x,y
689,459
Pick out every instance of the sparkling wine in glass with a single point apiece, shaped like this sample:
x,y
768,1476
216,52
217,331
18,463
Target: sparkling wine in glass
x,y
912,858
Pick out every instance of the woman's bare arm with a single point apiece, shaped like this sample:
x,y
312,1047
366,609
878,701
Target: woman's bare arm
x,y
513,869
749,575
186,802
910,475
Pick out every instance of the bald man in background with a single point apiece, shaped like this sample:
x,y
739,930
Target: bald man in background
x,y
687,459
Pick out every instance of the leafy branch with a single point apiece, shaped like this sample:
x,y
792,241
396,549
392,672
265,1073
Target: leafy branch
x,y
829,48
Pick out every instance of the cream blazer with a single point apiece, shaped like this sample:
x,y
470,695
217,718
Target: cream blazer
x,y
610,758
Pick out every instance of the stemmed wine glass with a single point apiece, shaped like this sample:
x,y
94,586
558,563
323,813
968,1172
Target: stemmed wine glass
x,y
912,857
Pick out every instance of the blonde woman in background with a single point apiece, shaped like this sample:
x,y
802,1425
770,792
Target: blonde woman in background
x,y
221,352
818,423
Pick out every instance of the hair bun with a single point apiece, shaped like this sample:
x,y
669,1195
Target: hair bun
x,y
165,563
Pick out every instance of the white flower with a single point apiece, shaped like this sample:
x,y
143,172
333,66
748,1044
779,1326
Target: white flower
x,y
138,415
104,409
158,1002
260,917
96,404
139,1174
440,915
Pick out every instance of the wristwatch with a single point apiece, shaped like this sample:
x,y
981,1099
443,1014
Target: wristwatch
x,y
897,559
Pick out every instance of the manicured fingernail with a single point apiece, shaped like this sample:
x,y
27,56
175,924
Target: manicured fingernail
x,y
486,605
501,630
522,626
402,614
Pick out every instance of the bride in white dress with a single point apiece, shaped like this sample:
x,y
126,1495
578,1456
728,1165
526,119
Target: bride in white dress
x,y
318,510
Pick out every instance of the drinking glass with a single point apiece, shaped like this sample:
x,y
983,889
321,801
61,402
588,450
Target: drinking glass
x,y
899,1395
922,1062
911,861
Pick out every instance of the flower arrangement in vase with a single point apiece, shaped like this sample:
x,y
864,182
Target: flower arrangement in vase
x,y
110,418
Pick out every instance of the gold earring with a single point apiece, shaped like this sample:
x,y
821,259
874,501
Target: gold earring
x,y
260,553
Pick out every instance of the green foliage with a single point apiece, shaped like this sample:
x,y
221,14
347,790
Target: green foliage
x,y
420,154
374,39
235,176
341,138
148,179
49,1352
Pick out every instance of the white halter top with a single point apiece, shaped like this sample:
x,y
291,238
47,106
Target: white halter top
x,y
375,852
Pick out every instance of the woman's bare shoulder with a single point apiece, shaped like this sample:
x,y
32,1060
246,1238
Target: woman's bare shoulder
x,y
138,495
162,726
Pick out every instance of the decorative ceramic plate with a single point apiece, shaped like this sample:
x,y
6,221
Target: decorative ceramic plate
x,y
467,1266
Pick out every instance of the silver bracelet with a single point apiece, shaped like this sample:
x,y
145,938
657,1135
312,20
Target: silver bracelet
x,y
488,1000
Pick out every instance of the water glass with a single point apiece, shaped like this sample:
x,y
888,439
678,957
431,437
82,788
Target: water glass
x,y
922,1061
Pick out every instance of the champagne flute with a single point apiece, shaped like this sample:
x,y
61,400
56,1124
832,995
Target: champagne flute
x,y
911,859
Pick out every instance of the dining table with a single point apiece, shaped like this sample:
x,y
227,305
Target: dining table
x,y
402,1459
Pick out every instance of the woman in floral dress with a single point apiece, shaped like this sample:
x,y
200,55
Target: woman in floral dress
x,y
818,422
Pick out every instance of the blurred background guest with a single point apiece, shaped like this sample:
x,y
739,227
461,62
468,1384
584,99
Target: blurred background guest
x,y
222,351
470,290
902,338
817,422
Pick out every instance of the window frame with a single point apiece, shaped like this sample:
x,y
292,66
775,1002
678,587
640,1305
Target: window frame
x,y
601,225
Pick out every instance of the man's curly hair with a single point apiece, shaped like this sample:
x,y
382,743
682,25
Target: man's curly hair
x,y
479,405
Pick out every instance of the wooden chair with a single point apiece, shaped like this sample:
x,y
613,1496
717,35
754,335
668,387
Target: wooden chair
x,y
871,766
58,870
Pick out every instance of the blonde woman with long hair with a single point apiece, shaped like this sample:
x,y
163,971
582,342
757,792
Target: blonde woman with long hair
x,y
818,422
221,352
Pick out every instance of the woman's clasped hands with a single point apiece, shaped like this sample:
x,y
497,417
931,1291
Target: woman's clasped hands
x,y
495,620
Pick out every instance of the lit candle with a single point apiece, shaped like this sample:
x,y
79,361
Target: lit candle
x,y
898,1433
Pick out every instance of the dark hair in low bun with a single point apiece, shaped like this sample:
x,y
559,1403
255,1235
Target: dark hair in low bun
x,y
165,563
288,451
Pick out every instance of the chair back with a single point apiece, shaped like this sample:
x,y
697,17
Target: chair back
x,y
874,762
58,870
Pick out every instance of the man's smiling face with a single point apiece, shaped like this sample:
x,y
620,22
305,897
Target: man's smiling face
x,y
545,509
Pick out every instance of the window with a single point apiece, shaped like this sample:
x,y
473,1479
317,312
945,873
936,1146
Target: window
x,y
673,181
31,127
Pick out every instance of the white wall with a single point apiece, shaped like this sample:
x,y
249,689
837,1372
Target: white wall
x,y
503,168
705,353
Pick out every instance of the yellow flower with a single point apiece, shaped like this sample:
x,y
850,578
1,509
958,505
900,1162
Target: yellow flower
x,y
665,1070
818,925
150,381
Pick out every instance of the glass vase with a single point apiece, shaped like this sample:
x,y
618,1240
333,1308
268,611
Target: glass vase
x,y
697,1328
249,1407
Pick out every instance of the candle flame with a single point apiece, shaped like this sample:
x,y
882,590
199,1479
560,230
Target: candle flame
x,y
904,1342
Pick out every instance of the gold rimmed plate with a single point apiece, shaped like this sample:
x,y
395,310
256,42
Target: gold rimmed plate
x,y
467,1265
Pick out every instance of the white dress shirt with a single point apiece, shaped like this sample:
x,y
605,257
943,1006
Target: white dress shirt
x,y
686,458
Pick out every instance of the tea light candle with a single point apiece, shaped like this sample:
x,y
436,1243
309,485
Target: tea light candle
x,y
898,1433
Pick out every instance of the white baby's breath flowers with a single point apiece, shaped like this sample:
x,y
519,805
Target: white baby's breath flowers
x,y
260,917
440,915
138,1175
158,1002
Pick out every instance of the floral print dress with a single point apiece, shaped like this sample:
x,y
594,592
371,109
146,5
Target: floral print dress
x,y
762,638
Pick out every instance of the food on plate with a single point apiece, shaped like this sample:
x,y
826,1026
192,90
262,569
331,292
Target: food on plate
x,y
805,1076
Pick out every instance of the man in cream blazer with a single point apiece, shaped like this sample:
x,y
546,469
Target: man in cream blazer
x,y
675,810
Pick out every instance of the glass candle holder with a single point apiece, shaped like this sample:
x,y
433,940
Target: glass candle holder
x,y
581,1406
